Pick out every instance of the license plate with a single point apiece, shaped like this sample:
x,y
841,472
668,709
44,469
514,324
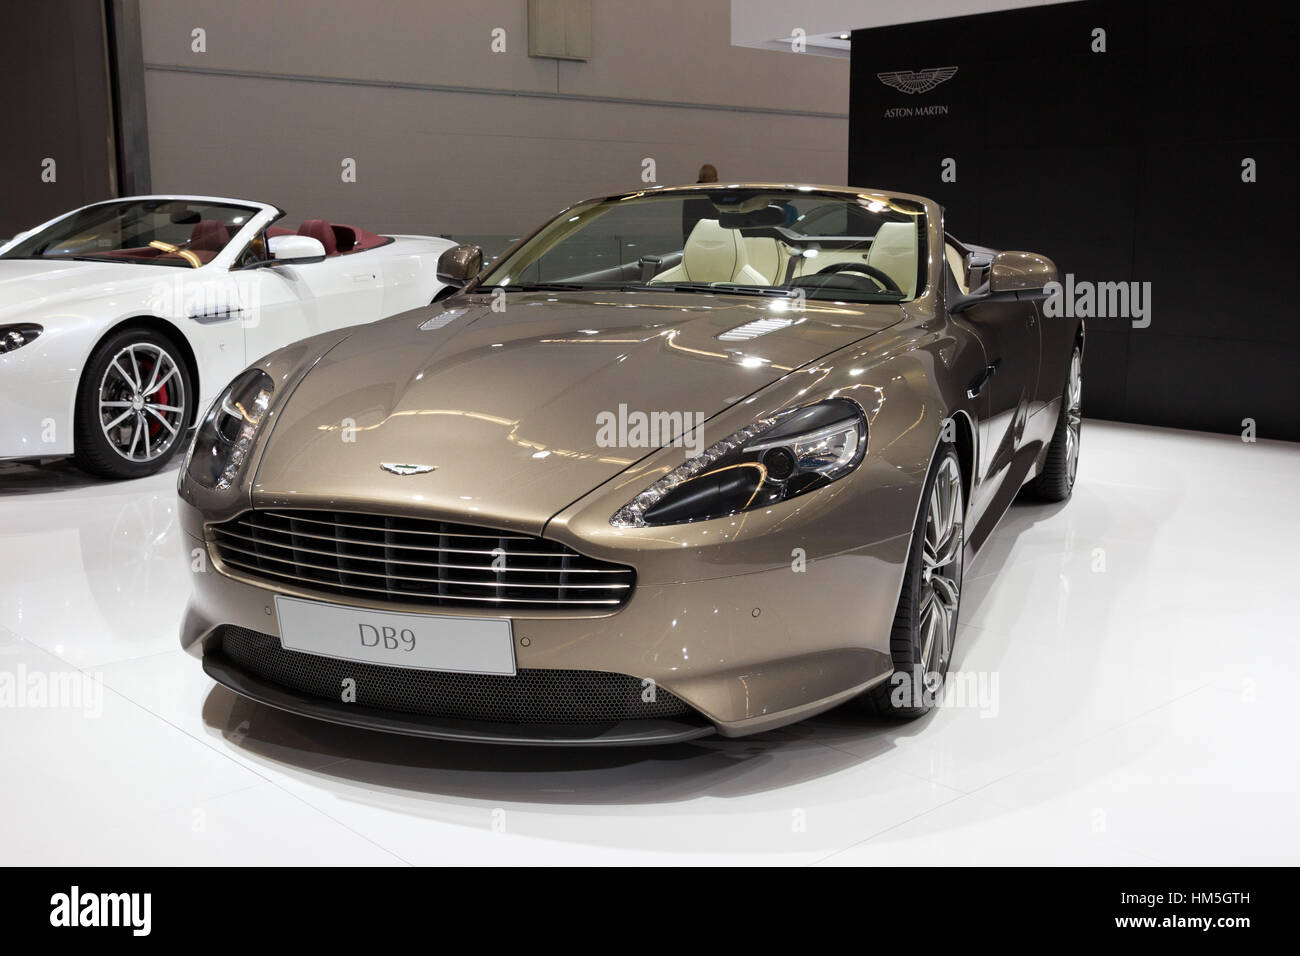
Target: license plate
x,y
470,645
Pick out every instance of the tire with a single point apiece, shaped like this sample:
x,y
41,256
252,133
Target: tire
x,y
921,656
118,385
1056,481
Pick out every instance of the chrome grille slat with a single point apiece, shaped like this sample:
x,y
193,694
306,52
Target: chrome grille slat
x,y
399,577
424,564
402,547
453,565
261,572
359,527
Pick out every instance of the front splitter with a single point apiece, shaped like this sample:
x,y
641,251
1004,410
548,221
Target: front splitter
x,y
628,733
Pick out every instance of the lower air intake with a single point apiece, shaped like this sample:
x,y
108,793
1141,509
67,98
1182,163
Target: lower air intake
x,y
530,696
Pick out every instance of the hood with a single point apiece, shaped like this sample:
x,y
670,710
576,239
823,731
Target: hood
x,y
508,407
27,284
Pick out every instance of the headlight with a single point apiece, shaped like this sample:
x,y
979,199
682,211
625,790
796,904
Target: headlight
x,y
226,435
769,461
16,336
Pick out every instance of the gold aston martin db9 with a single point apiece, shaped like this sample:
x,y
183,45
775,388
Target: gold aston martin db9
x,y
685,460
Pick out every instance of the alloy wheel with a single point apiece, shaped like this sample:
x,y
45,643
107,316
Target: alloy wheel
x,y
142,402
941,568
1073,416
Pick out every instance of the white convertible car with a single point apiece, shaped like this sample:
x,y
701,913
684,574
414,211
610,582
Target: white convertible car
x,y
121,319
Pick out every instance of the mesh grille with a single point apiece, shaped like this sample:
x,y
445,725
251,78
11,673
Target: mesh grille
x,y
418,561
530,696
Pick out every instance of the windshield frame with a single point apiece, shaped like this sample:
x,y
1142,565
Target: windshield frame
x,y
258,216
929,215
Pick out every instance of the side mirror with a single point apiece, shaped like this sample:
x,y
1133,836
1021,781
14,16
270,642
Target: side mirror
x,y
1021,272
292,250
459,264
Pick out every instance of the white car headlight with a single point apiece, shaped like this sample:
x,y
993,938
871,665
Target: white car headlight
x,y
768,461
16,336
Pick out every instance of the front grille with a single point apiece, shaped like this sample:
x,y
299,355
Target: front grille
x,y
418,561
530,696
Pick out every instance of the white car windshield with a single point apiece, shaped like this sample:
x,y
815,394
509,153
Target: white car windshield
x,y
744,240
167,232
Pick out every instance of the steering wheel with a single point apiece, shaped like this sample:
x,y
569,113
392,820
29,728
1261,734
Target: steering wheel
x,y
871,272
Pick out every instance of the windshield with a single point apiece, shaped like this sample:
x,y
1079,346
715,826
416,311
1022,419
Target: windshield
x,y
165,232
733,239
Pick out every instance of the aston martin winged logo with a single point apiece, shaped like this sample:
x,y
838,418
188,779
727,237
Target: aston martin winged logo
x,y
398,468
917,81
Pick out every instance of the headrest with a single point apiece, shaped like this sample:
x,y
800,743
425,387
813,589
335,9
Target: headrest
x,y
209,234
320,230
712,253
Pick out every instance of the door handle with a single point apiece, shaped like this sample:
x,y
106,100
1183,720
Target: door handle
x,y
978,385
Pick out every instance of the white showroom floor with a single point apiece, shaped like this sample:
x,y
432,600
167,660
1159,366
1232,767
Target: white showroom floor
x,y
1138,649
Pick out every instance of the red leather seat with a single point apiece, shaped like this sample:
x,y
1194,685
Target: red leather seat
x,y
209,235
320,230
358,239
345,237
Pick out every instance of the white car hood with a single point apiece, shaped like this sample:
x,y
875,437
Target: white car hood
x,y
39,285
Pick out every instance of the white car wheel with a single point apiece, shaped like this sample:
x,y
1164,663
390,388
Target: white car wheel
x,y
134,405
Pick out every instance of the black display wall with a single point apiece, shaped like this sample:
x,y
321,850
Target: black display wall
x,y
55,105
1123,166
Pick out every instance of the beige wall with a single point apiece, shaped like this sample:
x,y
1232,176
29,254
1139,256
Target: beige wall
x,y
452,138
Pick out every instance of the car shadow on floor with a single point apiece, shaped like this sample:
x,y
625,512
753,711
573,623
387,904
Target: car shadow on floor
x,y
1025,512
361,760
711,766
30,478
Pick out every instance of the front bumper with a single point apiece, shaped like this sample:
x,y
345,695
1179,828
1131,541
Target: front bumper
x,y
746,653
36,400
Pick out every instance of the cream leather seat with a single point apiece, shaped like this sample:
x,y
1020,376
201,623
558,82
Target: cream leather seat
x,y
894,252
713,254
957,263
765,257
806,265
